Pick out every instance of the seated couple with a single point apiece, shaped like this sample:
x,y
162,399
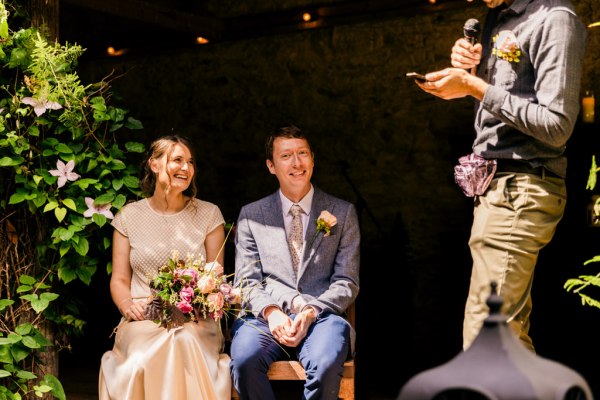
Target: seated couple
x,y
297,260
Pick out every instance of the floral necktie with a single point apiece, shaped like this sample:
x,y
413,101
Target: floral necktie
x,y
295,236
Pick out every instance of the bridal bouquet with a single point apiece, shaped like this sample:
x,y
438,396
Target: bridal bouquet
x,y
189,290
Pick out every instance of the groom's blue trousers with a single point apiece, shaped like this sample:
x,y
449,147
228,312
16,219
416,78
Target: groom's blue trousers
x,y
322,354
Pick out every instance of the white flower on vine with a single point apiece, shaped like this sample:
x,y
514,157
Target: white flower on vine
x,y
92,209
64,172
40,106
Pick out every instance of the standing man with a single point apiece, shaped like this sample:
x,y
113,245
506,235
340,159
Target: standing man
x,y
297,257
526,89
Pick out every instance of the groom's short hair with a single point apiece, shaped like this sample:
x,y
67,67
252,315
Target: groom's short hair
x,y
287,132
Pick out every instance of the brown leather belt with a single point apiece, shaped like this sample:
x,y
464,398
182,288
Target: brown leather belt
x,y
523,167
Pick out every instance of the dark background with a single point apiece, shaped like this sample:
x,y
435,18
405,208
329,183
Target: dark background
x,y
379,142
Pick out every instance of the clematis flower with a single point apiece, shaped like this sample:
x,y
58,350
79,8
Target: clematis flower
x,y
40,106
92,209
64,172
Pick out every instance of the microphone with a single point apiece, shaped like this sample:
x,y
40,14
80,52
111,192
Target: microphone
x,y
471,30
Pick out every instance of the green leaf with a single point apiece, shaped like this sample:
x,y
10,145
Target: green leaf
x,y
51,205
6,302
27,280
17,198
131,182
104,199
133,123
82,247
119,201
99,219
37,179
30,342
11,161
64,149
5,356
26,375
60,213
24,329
64,248
24,288
135,147
85,273
66,274
92,163
42,303
4,373
70,203
54,383
34,130
117,184
117,165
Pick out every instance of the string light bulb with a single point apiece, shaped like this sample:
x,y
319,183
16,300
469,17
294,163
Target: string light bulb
x,y
432,1
201,40
306,17
594,24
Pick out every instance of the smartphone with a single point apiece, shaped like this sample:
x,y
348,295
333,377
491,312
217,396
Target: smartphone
x,y
414,75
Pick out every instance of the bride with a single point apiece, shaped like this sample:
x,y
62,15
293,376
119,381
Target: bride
x,y
148,361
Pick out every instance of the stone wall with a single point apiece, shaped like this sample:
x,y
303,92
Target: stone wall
x,y
379,142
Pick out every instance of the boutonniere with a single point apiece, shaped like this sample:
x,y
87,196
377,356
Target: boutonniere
x,y
325,222
506,46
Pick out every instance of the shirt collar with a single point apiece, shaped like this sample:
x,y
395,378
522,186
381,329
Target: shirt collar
x,y
305,203
518,6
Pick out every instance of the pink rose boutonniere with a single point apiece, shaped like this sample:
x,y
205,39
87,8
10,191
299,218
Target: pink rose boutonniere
x,y
325,222
506,46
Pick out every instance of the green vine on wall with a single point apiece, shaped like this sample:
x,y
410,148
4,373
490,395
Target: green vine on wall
x,y
63,174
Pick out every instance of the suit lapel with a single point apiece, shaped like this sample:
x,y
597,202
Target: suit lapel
x,y
273,220
319,204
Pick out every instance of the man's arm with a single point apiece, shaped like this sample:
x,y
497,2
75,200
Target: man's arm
x,y
557,50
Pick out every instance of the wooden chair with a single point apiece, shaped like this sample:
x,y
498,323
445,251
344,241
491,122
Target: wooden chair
x,y
293,370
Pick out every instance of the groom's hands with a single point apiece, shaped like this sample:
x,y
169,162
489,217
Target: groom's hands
x,y
302,321
279,322
287,331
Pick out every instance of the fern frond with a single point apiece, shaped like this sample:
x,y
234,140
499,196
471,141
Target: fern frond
x,y
587,300
571,283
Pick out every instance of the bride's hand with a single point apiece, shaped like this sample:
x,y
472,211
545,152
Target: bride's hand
x,y
134,310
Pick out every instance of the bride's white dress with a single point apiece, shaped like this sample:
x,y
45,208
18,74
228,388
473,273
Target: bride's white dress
x,y
148,361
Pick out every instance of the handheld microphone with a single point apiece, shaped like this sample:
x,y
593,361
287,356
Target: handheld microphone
x,y
471,30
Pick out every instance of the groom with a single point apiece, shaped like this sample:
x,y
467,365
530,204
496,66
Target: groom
x,y
298,279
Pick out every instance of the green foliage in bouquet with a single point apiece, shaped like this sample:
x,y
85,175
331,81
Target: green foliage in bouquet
x,y
577,285
62,174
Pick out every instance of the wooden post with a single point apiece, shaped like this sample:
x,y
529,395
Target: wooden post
x,y
44,16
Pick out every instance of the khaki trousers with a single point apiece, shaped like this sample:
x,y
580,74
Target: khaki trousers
x,y
512,222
